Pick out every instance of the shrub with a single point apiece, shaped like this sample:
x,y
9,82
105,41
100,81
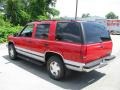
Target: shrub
x,y
6,28
5,31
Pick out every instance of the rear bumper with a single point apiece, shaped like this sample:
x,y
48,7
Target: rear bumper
x,y
90,66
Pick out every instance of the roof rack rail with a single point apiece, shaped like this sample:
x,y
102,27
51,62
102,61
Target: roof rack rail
x,y
45,20
57,20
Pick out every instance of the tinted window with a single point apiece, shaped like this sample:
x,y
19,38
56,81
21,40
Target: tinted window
x,y
27,32
68,31
95,32
42,31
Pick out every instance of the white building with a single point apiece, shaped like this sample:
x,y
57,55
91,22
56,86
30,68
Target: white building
x,y
111,24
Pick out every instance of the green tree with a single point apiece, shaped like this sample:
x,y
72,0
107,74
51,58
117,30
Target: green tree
x,y
85,15
42,8
52,12
12,11
22,11
1,1
111,15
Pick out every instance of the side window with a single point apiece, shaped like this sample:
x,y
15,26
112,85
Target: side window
x,y
68,32
27,32
42,31
95,33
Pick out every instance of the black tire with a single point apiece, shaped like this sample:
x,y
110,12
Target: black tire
x,y
12,52
60,67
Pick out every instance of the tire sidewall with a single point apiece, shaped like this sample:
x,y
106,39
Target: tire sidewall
x,y
13,48
61,65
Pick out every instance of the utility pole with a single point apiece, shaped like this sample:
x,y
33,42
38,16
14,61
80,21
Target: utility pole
x,y
76,9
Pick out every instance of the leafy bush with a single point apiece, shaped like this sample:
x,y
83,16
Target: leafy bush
x,y
5,31
6,28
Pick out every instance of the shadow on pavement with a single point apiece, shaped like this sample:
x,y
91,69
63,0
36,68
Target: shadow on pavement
x,y
73,81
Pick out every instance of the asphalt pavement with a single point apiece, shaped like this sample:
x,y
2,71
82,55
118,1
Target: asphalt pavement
x,y
23,75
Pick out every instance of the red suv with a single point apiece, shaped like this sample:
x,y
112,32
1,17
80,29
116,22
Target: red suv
x,y
61,45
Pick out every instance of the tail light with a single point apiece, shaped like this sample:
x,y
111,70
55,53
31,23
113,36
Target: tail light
x,y
83,52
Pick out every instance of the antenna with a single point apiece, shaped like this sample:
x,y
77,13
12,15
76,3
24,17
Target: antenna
x,y
76,9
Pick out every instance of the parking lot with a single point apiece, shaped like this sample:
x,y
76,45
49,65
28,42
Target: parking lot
x,y
23,75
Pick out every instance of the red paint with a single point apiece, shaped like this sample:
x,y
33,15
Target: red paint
x,y
71,51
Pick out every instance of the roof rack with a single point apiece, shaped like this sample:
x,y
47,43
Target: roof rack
x,y
44,20
56,20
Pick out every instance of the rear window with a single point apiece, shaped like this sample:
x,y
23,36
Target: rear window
x,y
95,33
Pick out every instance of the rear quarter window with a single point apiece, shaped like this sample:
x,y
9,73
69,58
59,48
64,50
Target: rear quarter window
x,y
68,32
95,33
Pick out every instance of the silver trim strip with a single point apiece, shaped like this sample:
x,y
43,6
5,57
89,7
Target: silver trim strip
x,y
91,66
73,63
68,63
38,57
26,50
74,68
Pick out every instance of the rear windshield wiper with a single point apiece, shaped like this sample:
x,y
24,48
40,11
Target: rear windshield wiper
x,y
105,38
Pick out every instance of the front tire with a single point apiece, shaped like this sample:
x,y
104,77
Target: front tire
x,y
55,68
12,52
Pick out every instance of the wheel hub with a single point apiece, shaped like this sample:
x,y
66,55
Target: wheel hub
x,y
55,68
11,52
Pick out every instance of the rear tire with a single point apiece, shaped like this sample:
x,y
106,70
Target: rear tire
x,y
12,52
55,68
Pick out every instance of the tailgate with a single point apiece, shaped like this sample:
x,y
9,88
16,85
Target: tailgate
x,y
97,51
107,48
97,40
